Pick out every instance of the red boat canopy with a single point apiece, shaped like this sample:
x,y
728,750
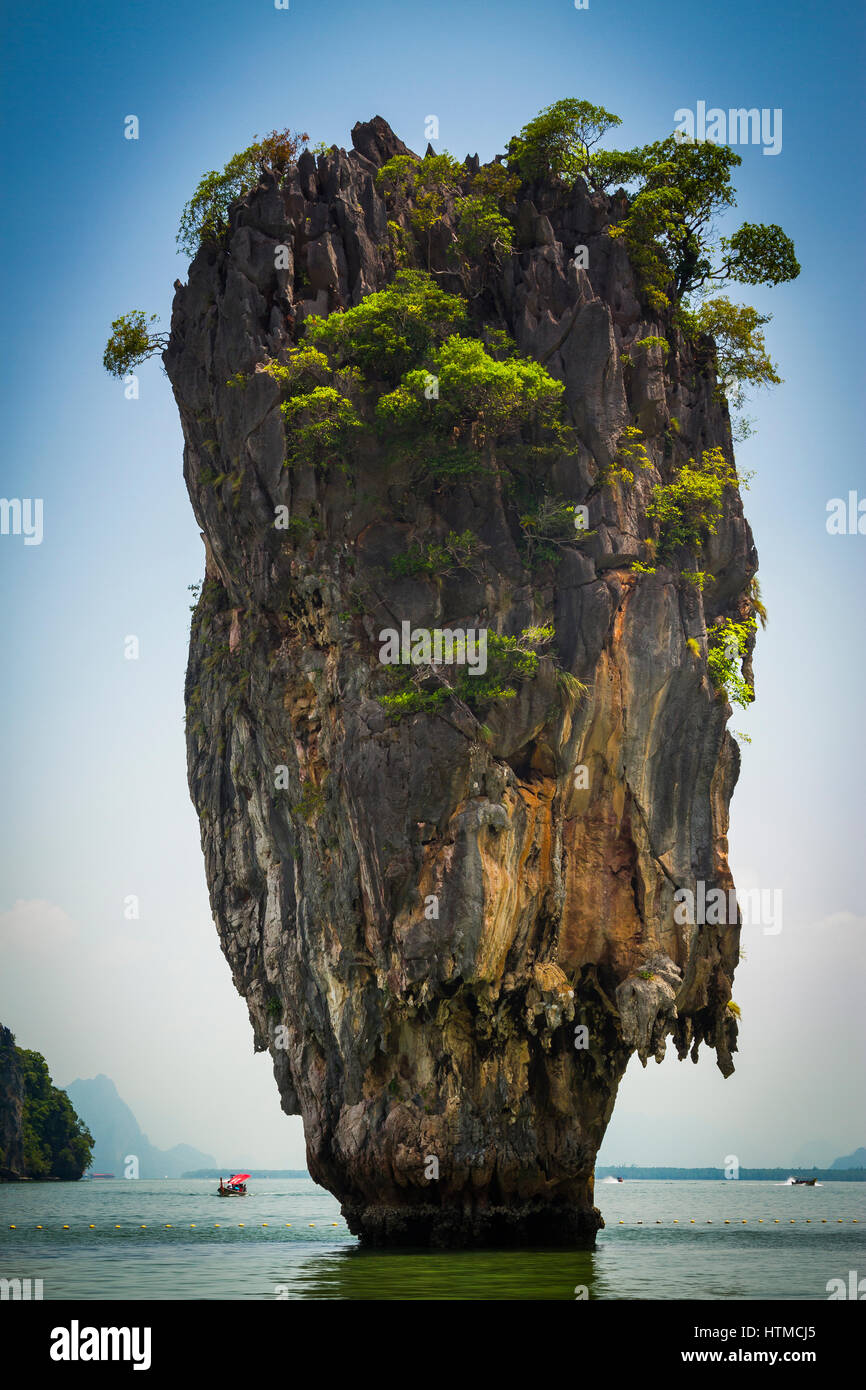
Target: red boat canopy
x,y
239,1177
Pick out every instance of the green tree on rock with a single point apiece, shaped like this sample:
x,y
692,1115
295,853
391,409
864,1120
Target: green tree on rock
x,y
205,216
741,352
673,191
402,363
682,186
424,191
557,142
132,341
388,332
56,1144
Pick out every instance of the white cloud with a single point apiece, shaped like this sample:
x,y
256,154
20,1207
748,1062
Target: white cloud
x,y
33,926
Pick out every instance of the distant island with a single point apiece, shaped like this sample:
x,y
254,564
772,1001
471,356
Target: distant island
x,y
41,1136
118,1137
253,1172
832,1174
855,1160
840,1171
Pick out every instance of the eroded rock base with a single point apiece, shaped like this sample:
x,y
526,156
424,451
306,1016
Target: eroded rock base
x,y
451,1227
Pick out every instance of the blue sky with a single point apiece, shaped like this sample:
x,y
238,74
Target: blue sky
x,y
96,806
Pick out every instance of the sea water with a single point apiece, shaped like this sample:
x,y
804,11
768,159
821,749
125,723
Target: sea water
x,y
287,1240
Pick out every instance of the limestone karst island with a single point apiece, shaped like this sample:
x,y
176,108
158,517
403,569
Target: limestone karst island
x,y
479,596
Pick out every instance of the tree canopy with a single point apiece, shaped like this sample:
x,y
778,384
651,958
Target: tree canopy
x,y
131,342
674,190
682,186
55,1142
389,331
557,142
741,352
679,187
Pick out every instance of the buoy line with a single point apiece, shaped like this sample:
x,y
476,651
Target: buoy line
x,y
745,1220
638,1221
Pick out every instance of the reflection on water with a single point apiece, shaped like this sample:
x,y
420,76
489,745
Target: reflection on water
x,y
470,1274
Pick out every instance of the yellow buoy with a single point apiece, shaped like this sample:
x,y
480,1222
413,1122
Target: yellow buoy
x,y
240,1225
117,1228
335,1223
312,1223
66,1228
727,1223
39,1228
92,1227
13,1228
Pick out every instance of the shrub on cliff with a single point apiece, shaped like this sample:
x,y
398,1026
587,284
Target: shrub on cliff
x,y
458,550
477,396
391,331
691,506
323,425
727,645
426,184
401,363
205,216
481,227
425,689
425,190
741,352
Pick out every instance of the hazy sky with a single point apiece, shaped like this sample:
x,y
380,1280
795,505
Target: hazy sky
x,y
95,805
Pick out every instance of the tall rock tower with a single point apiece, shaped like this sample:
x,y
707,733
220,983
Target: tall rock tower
x,y
452,929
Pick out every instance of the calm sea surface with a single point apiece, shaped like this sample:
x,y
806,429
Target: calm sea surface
x,y
286,1239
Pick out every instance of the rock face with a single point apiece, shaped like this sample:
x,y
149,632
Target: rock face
x,y
11,1109
455,1072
